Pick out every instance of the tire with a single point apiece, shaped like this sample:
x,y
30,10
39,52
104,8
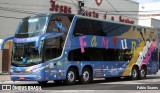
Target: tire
x,y
86,76
113,78
70,76
142,73
134,73
42,82
58,81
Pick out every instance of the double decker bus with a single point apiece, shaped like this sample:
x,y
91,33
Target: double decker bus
x,y
67,47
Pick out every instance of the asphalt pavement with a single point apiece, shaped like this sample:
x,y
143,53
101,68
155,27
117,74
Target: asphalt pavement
x,y
97,86
4,77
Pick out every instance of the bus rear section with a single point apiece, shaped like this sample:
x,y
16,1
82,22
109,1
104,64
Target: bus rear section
x,y
112,49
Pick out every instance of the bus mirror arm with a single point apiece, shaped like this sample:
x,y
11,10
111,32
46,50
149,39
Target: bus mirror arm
x,y
46,36
5,40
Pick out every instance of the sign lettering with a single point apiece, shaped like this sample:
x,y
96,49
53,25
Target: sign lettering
x,y
59,8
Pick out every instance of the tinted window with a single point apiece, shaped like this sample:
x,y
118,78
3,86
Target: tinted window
x,y
99,28
88,27
52,48
60,23
26,54
99,54
114,29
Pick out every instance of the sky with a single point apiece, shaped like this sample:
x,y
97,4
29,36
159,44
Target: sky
x,y
146,1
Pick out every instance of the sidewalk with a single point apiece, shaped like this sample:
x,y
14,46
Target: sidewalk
x,y
4,77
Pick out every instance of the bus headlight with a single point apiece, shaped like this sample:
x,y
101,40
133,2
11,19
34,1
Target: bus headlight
x,y
38,77
39,69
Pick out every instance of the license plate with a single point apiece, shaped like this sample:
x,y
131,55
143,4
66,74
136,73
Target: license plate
x,y
22,78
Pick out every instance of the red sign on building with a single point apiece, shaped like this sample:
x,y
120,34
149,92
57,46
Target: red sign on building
x,y
126,20
98,2
66,9
59,8
91,14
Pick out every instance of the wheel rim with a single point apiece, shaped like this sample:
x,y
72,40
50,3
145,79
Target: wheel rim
x,y
71,76
134,73
86,76
143,73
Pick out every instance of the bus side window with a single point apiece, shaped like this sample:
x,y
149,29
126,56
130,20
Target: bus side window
x,y
127,57
88,27
52,48
90,54
75,55
99,54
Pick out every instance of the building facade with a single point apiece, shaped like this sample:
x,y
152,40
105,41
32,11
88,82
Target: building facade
x,y
149,16
12,12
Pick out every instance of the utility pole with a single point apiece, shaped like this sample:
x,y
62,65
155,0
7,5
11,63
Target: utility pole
x,y
80,5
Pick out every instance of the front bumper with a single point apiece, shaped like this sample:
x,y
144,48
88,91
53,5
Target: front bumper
x,y
26,78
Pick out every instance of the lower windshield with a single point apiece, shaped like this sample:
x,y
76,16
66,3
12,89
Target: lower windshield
x,y
26,54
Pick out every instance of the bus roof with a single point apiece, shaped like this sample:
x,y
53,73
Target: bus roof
x,y
49,14
79,16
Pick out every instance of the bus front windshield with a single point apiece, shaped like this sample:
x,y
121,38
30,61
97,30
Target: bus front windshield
x,y
32,26
26,54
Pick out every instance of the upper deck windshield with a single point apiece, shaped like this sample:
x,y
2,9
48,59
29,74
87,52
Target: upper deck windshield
x,y
32,26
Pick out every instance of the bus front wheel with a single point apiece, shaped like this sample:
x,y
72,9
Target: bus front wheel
x,y
86,76
70,76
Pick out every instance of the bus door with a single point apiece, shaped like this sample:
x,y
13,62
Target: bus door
x,y
95,56
52,52
154,58
154,61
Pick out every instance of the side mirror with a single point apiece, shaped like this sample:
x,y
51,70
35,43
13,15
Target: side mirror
x,y
45,36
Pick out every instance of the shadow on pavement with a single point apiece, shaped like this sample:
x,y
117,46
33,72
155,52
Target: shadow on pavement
x,y
77,84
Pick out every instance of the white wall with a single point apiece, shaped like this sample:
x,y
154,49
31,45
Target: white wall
x,y
0,59
11,11
149,11
111,6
